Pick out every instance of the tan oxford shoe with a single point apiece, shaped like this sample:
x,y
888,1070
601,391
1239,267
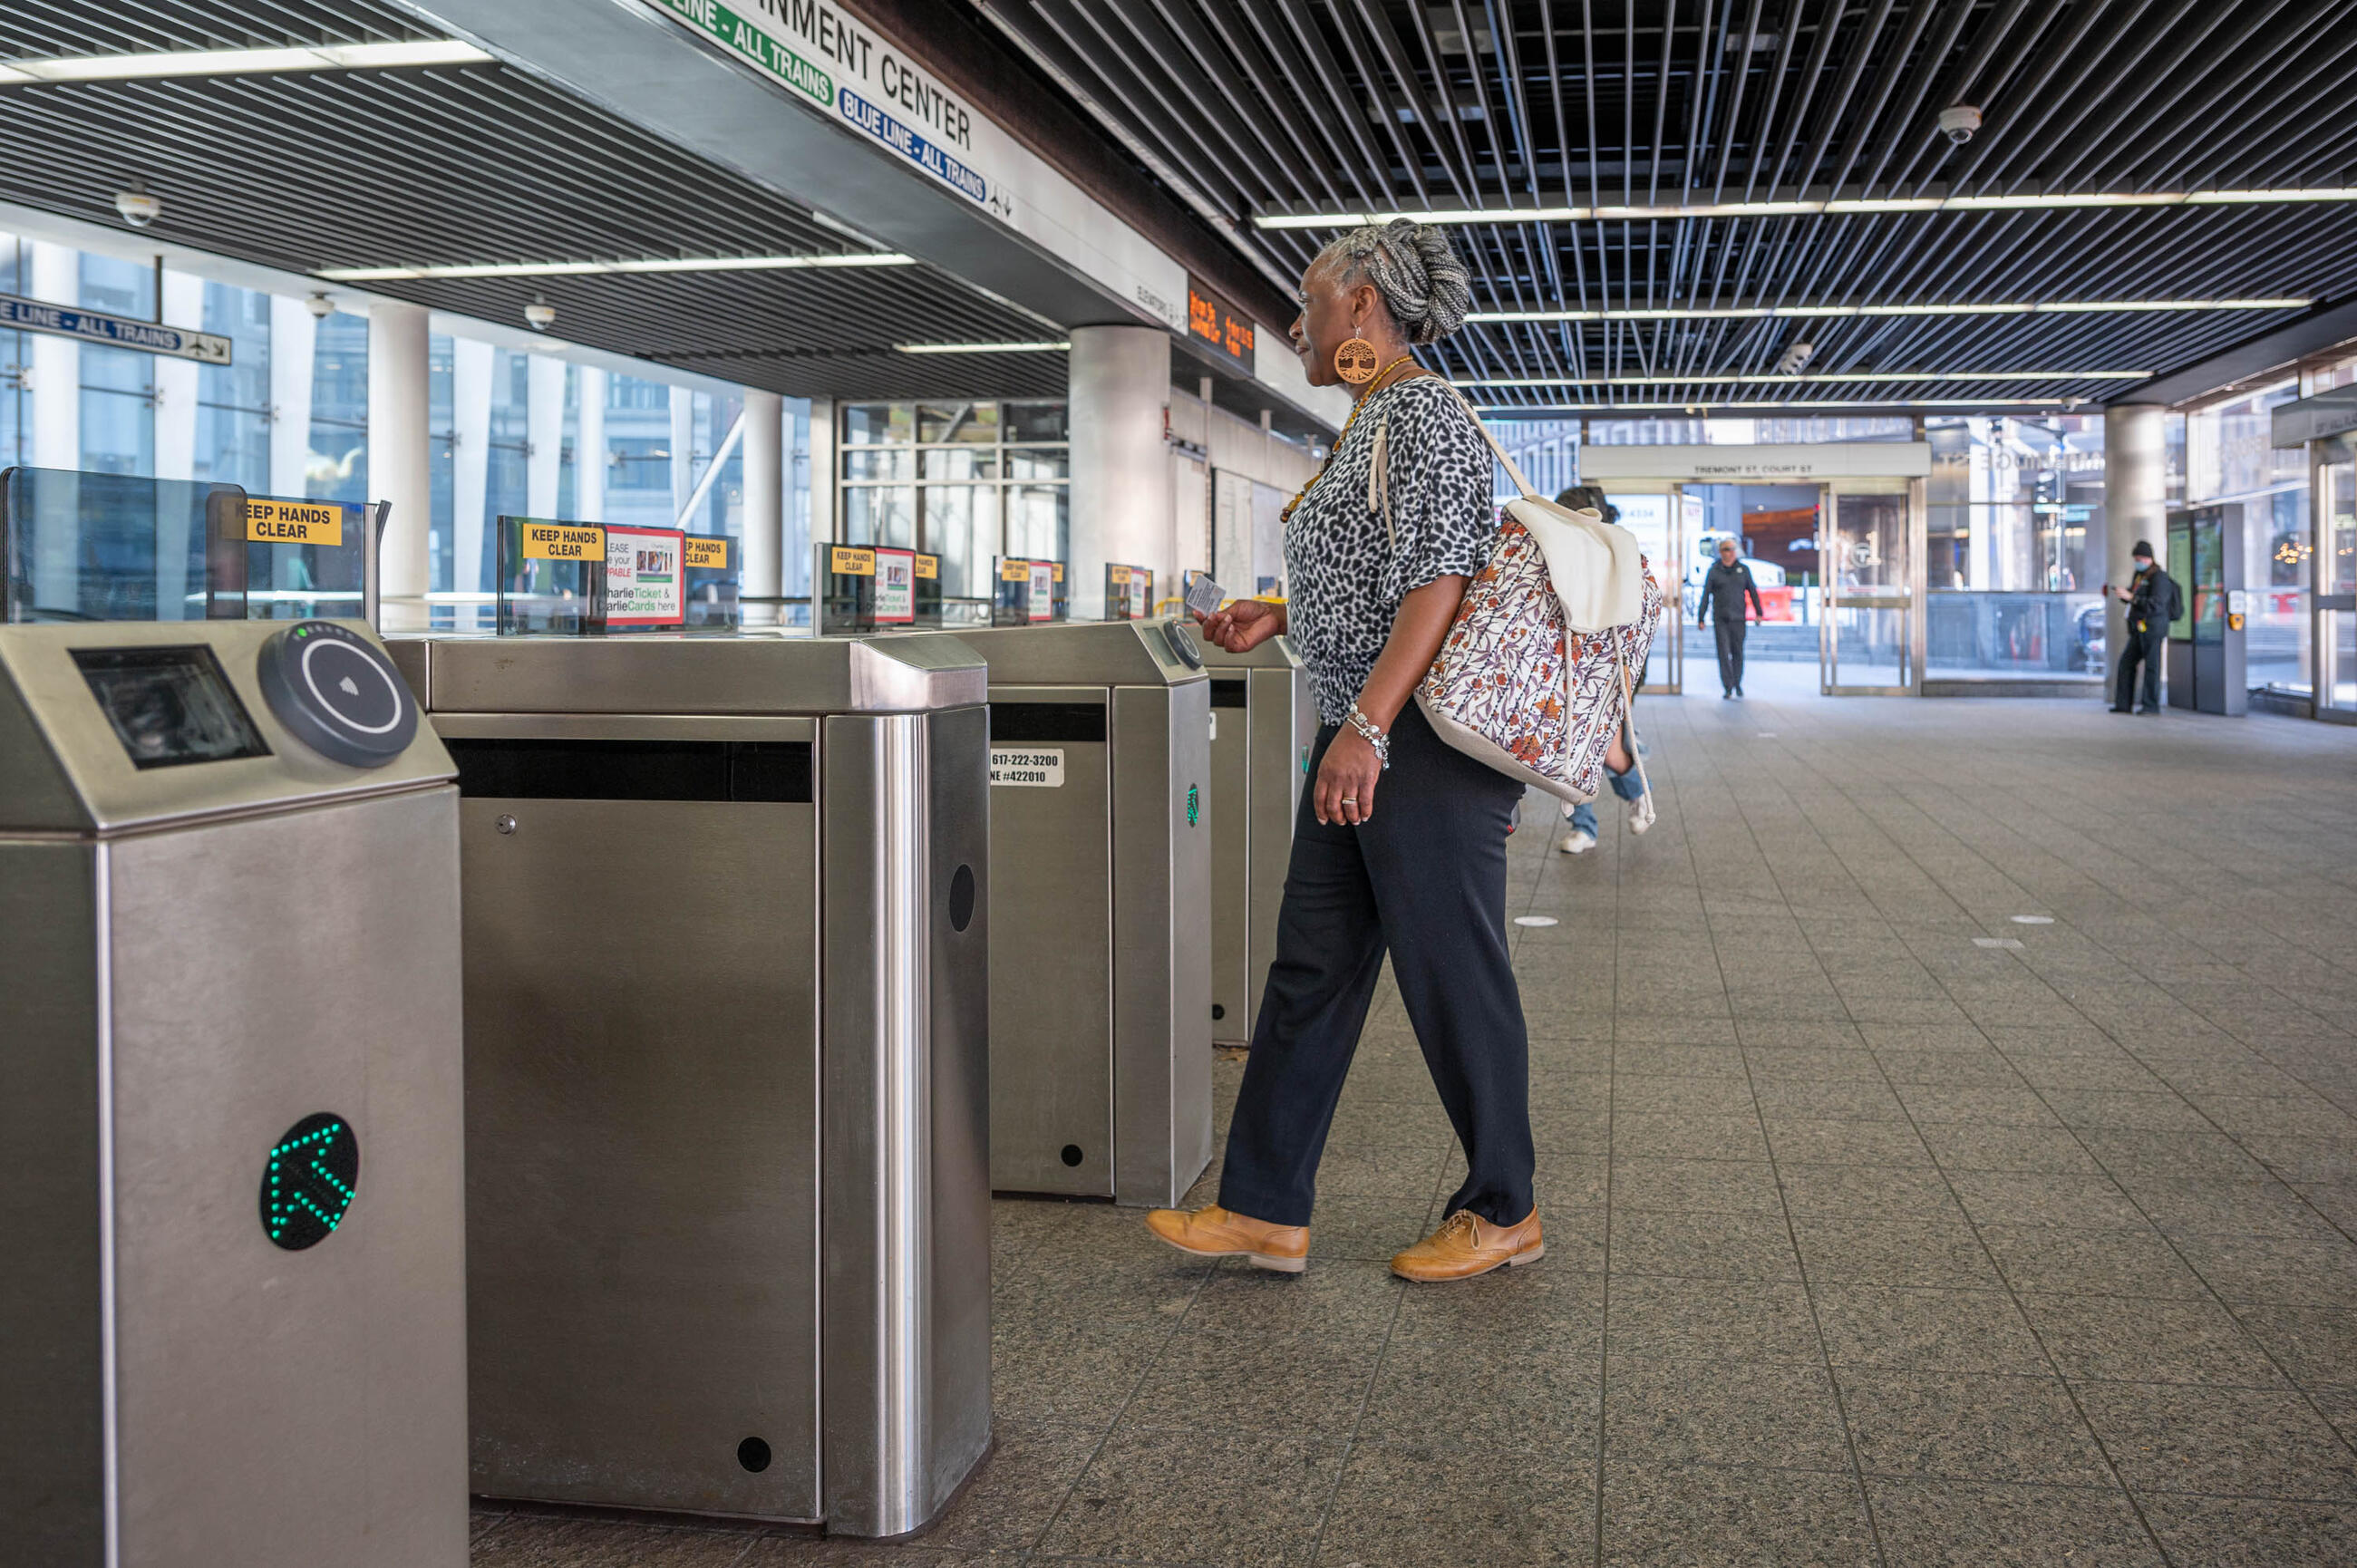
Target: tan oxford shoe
x,y
1466,1245
1214,1232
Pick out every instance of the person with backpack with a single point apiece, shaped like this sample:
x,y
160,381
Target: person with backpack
x,y
1627,783
2153,602
1400,845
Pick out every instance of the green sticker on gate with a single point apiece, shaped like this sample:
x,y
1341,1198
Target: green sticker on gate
x,y
1194,806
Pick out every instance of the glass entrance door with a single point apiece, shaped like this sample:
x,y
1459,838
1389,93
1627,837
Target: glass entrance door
x,y
2335,595
1652,513
1870,546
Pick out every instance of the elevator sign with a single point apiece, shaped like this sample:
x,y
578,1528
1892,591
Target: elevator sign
x,y
112,331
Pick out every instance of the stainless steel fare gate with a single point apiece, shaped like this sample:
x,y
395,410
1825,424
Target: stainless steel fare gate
x,y
1263,721
1101,815
726,975
232,1327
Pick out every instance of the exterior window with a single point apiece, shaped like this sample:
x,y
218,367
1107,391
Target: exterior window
x,y
2013,591
967,481
2230,459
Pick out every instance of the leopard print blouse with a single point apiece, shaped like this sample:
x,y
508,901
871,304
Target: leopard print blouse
x,y
1344,575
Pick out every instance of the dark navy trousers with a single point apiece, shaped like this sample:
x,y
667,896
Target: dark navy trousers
x,y
1424,881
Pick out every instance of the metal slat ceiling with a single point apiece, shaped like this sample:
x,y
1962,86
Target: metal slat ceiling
x,y
474,164
1289,106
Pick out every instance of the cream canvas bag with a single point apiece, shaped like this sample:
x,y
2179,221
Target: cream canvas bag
x,y
1533,677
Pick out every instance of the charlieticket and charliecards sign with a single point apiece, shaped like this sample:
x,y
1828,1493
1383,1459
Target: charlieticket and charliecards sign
x,y
644,581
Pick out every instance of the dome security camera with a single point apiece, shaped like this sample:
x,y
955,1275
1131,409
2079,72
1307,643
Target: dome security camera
x,y
320,307
1796,359
540,313
1958,121
138,208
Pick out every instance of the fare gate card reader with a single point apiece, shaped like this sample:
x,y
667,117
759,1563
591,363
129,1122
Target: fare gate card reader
x,y
234,1327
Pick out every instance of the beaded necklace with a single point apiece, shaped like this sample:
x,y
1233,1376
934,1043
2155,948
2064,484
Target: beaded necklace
x,y
1372,388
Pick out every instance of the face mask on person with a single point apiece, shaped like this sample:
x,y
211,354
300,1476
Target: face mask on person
x,y
2143,562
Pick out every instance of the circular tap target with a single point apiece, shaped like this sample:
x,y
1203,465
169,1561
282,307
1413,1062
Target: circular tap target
x,y
337,693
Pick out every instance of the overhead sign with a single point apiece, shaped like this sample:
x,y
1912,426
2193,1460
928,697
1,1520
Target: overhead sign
x,y
112,331
860,78
1795,463
2328,413
1217,325
293,522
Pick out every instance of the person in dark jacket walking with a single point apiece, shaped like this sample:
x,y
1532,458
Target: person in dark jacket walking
x,y
2153,602
1723,590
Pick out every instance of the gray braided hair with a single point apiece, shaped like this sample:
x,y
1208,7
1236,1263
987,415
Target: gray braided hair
x,y
1415,268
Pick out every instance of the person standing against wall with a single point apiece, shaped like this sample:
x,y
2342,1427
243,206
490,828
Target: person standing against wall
x,y
2153,602
1723,591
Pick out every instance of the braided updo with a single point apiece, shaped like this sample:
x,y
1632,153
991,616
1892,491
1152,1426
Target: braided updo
x,y
1415,268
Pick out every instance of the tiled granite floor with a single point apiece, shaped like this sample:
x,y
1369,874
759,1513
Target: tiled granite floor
x,y
1884,1230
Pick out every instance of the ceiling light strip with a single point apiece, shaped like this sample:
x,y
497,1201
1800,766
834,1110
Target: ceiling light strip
x,y
980,348
242,62
1779,379
1765,312
1827,206
599,269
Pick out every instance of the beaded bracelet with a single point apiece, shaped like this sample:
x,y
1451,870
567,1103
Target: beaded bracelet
x,y
1373,734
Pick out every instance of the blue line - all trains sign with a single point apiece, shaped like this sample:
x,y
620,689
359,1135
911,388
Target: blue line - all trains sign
x,y
113,331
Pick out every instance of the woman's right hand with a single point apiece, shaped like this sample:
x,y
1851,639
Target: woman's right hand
x,y
1244,625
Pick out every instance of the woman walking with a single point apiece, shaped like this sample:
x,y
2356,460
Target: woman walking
x,y
1400,845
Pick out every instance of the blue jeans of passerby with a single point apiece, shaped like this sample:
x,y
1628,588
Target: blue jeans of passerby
x,y
1628,785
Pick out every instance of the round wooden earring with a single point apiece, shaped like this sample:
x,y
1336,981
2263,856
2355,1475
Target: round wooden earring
x,y
1354,361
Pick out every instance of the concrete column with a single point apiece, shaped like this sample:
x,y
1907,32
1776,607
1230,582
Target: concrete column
x,y
1122,500
472,367
765,504
822,471
175,382
2136,503
400,469
293,333
544,430
56,366
682,449
589,447
55,362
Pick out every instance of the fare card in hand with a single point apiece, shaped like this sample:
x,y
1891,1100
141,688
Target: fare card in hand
x,y
1205,596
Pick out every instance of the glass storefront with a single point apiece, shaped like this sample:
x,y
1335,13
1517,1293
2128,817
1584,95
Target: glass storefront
x,y
966,481
2012,591
2228,460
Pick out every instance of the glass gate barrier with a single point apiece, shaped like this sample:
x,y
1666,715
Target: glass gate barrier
x,y
1868,642
118,547
2335,596
1653,517
112,547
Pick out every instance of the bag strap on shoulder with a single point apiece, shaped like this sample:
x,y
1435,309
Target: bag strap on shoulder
x,y
1513,470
